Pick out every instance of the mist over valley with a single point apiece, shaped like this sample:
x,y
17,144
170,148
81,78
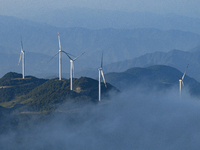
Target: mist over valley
x,y
133,119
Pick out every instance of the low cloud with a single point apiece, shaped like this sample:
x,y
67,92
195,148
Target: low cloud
x,y
135,119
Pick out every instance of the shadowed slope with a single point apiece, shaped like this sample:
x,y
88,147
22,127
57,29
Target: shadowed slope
x,y
158,76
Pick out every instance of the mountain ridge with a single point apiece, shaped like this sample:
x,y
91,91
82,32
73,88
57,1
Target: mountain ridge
x,y
174,58
98,19
159,77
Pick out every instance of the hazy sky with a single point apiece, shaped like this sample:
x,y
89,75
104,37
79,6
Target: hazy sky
x,y
20,7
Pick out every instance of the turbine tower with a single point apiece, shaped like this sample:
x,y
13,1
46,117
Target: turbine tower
x,y
22,57
59,59
101,73
72,68
181,81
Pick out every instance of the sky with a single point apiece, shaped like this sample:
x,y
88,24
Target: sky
x,y
182,7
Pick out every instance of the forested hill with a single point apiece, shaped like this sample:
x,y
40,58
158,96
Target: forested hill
x,y
36,94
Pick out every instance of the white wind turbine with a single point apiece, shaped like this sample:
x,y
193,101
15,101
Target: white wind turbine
x,y
181,81
72,68
101,73
22,57
59,52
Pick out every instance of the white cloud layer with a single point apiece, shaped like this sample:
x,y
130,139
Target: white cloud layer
x,y
133,120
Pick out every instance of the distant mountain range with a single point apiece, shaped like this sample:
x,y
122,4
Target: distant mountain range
x,y
175,58
41,43
99,19
120,44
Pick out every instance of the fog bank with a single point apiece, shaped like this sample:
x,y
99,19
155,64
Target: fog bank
x,y
136,119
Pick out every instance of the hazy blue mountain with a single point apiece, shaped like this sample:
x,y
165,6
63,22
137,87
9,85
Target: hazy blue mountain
x,y
99,19
42,38
158,77
175,58
40,43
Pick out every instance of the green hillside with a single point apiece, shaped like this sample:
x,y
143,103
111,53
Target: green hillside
x,y
35,94
54,91
12,86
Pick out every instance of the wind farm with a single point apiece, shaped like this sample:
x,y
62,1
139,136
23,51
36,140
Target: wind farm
x,y
101,74
31,97
106,80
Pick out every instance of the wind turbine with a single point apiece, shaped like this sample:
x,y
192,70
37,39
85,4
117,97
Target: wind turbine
x,y
181,80
22,57
72,68
101,73
59,52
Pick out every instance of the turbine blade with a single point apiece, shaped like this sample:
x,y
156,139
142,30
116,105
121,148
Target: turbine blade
x,y
102,61
78,56
59,41
21,51
21,45
185,72
182,82
67,54
70,54
179,77
53,57
103,78
20,58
